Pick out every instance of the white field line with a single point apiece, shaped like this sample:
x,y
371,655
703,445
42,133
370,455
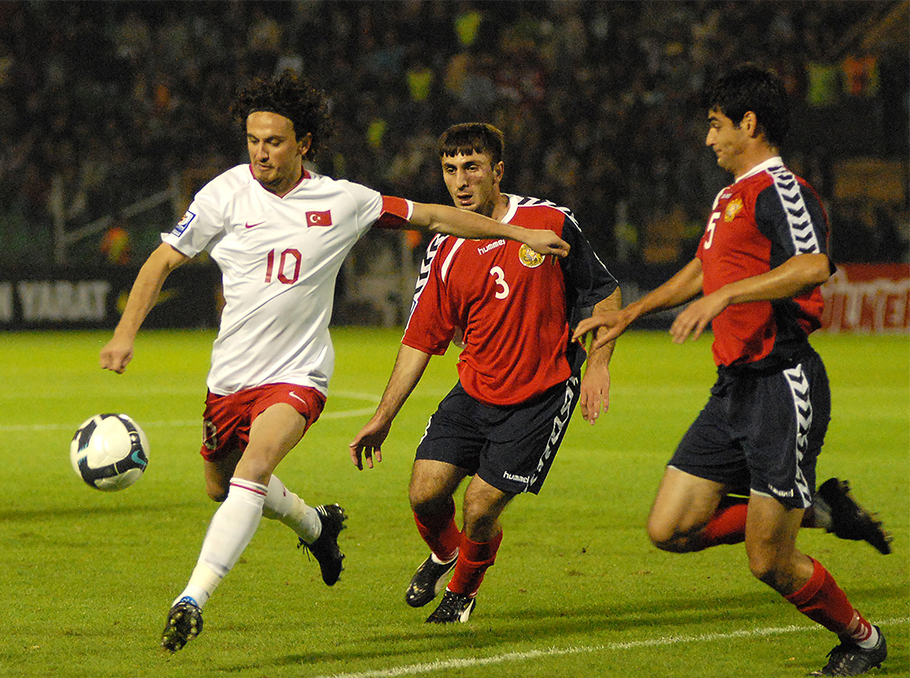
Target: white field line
x,y
342,414
448,664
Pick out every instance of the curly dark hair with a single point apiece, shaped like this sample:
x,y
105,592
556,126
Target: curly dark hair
x,y
293,97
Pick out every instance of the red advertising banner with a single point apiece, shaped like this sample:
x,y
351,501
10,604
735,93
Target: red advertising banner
x,y
868,299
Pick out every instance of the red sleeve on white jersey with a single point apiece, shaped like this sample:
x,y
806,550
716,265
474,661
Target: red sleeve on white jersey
x,y
395,213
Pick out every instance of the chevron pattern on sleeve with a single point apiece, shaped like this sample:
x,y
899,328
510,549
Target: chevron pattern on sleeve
x,y
802,230
424,272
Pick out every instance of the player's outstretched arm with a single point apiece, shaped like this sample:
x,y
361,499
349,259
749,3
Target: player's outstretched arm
x,y
466,224
795,276
595,384
409,367
682,287
118,352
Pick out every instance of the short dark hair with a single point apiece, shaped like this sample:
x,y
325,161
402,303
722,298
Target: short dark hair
x,y
472,137
751,88
293,97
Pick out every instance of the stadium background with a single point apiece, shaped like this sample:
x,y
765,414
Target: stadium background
x,y
113,113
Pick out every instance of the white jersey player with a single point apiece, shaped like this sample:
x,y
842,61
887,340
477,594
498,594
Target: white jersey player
x,y
279,235
279,258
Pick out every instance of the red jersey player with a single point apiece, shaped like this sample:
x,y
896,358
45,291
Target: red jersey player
x,y
759,265
519,375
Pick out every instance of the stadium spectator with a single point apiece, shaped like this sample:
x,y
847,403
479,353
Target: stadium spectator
x,y
519,376
629,70
759,265
273,358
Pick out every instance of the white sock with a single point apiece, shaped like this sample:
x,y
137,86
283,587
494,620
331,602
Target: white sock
x,y
443,562
286,507
231,529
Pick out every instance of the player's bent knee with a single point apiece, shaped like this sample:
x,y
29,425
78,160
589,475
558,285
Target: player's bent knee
x,y
673,540
480,527
427,504
216,492
768,571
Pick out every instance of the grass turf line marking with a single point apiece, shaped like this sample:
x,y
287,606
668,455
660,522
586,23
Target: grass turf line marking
x,y
416,669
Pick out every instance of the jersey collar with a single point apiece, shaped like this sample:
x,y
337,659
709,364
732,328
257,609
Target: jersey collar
x,y
776,161
305,174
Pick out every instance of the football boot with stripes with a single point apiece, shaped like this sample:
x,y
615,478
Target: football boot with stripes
x,y
325,549
453,608
428,581
849,659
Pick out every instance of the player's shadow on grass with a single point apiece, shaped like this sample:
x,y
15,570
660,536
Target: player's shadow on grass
x,y
554,625
81,512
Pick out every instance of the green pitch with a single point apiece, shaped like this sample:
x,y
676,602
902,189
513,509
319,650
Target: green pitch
x,y
86,578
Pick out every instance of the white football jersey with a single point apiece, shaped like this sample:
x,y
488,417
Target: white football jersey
x,y
279,258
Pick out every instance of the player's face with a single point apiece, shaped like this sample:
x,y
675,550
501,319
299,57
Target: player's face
x,y
728,141
473,181
276,155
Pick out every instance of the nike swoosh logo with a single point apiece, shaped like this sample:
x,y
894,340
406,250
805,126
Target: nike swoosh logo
x,y
249,225
294,395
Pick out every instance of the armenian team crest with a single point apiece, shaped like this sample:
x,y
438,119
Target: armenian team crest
x,y
529,257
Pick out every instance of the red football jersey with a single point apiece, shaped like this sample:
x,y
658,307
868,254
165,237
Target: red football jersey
x,y
757,223
511,303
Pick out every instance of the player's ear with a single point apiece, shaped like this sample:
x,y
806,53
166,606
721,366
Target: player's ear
x,y
750,124
498,170
303,145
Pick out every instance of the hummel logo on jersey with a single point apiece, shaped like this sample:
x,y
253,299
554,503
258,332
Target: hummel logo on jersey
x,y
319,218
249,225
491,246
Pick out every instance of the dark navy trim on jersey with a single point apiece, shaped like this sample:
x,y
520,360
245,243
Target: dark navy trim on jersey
x,y
424,273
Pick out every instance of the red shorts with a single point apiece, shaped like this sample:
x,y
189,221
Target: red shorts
x,y
227,419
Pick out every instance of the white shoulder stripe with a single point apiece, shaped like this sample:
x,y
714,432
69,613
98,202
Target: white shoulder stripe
x,y
532,202
448,262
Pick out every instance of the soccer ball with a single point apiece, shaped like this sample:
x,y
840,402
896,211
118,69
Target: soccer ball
x,y
109,452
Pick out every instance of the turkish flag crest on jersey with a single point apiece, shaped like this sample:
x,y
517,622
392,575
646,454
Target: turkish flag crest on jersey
x,y
319,218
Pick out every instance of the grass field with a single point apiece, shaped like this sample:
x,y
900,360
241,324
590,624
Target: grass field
x,y
86,577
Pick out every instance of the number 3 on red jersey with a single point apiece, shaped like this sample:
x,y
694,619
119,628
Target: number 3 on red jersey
x,y
503,287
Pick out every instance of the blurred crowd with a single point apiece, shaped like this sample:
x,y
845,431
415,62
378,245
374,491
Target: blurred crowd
x,y
113,101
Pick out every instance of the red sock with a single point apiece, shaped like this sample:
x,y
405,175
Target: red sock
x,y
727,526
823,601
440,532
473,560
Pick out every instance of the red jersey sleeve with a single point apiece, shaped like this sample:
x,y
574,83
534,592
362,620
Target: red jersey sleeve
x,y
395,213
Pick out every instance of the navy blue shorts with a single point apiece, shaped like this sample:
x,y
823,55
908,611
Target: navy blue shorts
x,y
510,447
762,431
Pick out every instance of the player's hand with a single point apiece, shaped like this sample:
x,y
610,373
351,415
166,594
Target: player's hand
x,y
546,242
595,392
695,318
116,355
368,443
616,323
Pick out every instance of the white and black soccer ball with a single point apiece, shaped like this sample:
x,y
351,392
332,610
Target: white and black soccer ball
x,y
109,452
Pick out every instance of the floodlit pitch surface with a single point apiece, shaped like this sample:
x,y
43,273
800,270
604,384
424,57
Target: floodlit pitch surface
x,y
87,577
